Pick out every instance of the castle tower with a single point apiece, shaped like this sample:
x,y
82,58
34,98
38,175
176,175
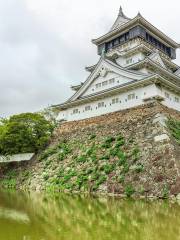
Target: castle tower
x,y
135,66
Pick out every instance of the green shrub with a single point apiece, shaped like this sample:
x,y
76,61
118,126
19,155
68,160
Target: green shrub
x,y
81,181
45,176
81,159
47,153
136,154
105,157
90,151
107,142
119,137
101,180
47,163
26,174
26,132
165,192
109,139
120,143
139,168
61,156
122,157
106,145
92,136
121,178
125,168
108,168
94,159
114,151
129,190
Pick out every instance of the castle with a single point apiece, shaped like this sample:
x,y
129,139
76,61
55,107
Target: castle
x,y
135,67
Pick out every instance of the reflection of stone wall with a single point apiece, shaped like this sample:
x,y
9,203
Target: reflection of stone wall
x,y
154,173
85,218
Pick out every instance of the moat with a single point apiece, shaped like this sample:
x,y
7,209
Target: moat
x,y
43,217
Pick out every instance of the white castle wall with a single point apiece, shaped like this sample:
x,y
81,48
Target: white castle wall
x,y
126,61
118,80
137,96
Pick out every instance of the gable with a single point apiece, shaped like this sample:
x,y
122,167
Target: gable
x,y
157,59
105,81
106,71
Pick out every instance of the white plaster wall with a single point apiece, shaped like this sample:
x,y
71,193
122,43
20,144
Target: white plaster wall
x,y
124,103
122,61
170,102
141,94
119,80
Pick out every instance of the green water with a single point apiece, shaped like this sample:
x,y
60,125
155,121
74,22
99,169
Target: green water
x,y
41,217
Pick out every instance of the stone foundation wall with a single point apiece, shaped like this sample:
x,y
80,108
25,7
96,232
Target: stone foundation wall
x,y
151,167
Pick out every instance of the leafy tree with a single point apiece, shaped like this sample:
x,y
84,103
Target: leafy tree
x,y
26,132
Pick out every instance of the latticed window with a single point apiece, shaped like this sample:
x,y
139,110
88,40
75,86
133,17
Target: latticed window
x,y
100,104
128,61
111,81
75,111
104,83
131,96
115,100
98,85
176,99
87,108
167,95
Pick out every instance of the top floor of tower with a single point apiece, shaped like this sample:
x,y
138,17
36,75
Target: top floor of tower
x,y
125,30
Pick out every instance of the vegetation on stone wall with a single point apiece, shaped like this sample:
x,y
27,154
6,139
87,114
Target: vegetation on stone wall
x,y
27,132
174,126
96,164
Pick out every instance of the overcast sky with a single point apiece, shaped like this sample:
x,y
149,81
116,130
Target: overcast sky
x,y
45,44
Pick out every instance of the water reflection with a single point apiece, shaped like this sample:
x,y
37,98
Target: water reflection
x,y
65,217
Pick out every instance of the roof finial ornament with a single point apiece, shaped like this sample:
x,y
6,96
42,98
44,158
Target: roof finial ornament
x,y
139,14
121,12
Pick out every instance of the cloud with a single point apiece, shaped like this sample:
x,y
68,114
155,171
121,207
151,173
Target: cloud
x,y
45,45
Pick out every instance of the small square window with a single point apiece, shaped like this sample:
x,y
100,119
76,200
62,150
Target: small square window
x,y
176,99
75,111
131,96
167,95
104,83
100,104
111,81
115,100
87,108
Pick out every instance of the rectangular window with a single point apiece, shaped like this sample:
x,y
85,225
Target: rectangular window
x,y
111,81
128,61
98,85
131,96
100,104
87,108
75,111
176,99
104,83
115,100
167,95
